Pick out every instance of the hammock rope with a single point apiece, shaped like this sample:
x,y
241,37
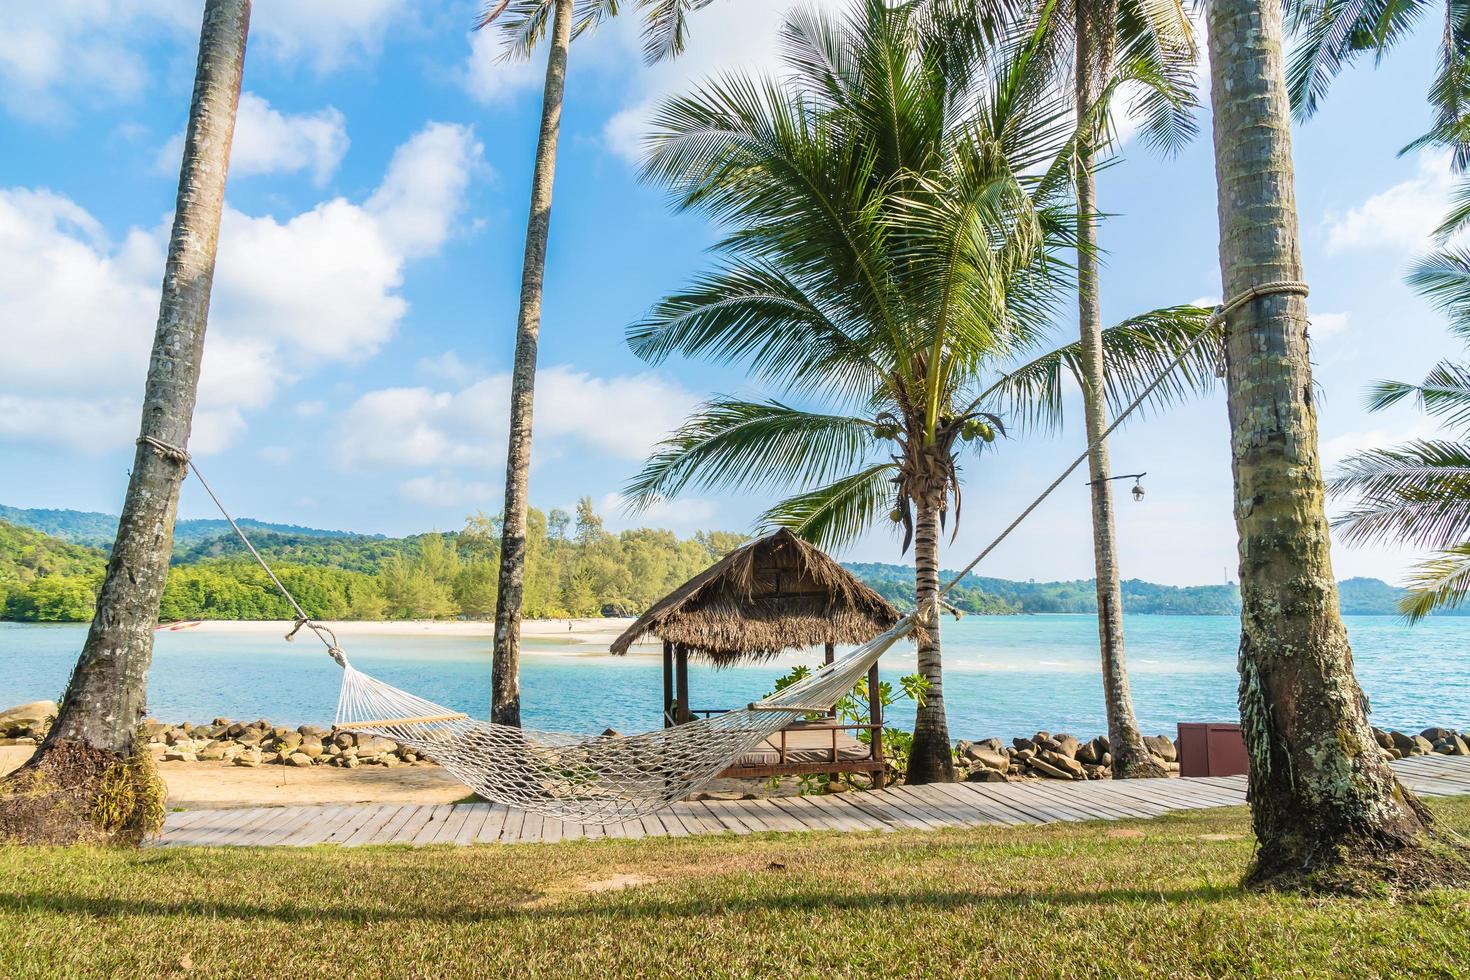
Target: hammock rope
x,y
614,778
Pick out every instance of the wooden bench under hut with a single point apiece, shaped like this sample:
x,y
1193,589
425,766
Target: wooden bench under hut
x,y
775,594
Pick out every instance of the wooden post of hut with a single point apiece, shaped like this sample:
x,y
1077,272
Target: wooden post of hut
x,y
682,715
773,595
668,711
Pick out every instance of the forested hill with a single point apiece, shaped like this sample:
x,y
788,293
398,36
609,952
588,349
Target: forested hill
x,y
96,530
1360,596
575,568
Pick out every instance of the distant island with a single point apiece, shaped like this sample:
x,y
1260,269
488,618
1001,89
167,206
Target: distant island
x,y
51,563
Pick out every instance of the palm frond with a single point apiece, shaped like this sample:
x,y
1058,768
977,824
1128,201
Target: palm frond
x,y
1136,352
522,24
732,443
666,27
1444,392
1443,278
1331,34
1417,493
1439,582
753,313
837,514
1157,59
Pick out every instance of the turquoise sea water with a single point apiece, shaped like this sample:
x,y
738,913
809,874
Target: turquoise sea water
x,y
1005,675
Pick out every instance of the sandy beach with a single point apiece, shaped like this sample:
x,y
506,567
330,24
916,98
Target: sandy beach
x,y
195,785
570,636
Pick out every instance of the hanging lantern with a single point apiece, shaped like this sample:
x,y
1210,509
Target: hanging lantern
x,y
1138,490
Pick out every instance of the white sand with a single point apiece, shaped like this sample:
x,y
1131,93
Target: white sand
x,y
575,636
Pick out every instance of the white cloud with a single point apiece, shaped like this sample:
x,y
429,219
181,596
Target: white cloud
x,y
288,296
448,367
1338,448
324,34
82,50
270,142
620,417
489,79
420,197
96,52
1403,217
683,512
722,37
450,492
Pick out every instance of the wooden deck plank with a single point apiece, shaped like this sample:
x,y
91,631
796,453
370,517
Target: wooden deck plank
x,y
805,813
727,816
489,831
510,831
917,807
367,828
409,829
389,828
429,829
531,828
248,834
847,815
990,811
881,806
1071,799
1009,800
480,812
222,829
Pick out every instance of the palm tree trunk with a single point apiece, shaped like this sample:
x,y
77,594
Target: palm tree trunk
x,y
1327,810
505,670
105,699
930,759
1095,21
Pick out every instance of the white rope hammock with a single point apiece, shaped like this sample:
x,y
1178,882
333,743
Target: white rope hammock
x,y
613,778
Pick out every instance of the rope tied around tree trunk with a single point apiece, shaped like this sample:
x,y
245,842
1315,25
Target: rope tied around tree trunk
x,y
177,454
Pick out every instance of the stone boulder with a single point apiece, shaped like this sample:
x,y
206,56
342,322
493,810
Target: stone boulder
x,y
982,774
1065,763
1067,745
1436,734
1401,743
30,719
1159,745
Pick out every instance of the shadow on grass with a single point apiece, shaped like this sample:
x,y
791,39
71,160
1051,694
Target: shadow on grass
x,y
624,905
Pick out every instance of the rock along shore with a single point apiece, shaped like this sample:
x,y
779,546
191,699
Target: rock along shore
x,y
257,743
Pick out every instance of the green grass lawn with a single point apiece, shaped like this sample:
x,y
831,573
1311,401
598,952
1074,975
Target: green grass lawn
x,y
1155,897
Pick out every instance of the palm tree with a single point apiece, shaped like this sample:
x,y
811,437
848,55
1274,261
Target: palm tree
x,y
524,23
1151,45
896,208
1328,812
89,778
1419,492
1333,33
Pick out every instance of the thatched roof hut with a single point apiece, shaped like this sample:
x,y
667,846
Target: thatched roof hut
x,y
774,594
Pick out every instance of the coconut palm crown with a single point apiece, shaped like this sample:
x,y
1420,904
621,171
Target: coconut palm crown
x,y
1418,493
898,213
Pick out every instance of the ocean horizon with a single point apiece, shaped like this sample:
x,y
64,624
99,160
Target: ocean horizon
x,y
1004,675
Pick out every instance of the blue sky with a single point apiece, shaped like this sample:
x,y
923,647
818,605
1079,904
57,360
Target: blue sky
x,y
365,300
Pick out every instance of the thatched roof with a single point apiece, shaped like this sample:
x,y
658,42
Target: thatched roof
x,y
776,593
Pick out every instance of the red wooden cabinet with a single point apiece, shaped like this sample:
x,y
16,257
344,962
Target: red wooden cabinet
x,y
1210,749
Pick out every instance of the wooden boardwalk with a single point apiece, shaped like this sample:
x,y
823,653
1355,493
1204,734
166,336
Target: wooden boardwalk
x,y
899,808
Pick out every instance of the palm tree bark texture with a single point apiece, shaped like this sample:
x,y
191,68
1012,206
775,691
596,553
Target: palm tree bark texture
x,y
95,729
931,759
1327,810
1095,40
505,700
